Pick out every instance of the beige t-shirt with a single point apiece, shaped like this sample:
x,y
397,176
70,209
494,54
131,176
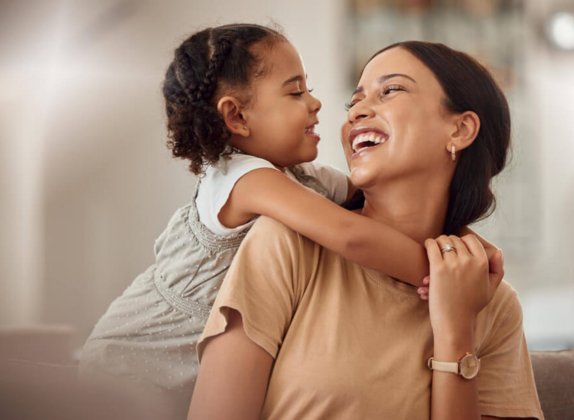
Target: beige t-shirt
x,y
350,343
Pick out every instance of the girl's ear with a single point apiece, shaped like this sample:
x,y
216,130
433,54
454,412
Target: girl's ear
x,y
467,125
230,109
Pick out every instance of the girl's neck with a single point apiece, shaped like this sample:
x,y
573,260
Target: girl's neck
x,y
417,209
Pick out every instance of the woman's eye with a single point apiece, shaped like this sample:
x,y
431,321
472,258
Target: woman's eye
x,y
392,88
349,105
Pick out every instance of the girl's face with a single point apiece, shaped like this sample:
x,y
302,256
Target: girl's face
x,y
282,114
397,126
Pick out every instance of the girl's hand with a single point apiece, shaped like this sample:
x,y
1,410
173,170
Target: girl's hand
x,y
461,283
423,290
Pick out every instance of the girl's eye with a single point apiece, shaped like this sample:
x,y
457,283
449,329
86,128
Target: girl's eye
x,y
301,92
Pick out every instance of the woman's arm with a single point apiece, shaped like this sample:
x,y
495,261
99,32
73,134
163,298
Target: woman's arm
x,y
461,287
233,376
357,238
249,319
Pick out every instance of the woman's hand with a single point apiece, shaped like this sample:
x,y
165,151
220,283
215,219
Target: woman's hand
x,y
495,263
463,282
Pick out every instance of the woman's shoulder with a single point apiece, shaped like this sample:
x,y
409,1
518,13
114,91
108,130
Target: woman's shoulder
x,y
505,295
267,227
267,232
502,317
505,303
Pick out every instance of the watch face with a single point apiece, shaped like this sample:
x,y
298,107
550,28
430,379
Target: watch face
x,y
469,366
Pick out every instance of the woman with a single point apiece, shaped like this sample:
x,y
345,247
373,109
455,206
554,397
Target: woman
x,y
315,336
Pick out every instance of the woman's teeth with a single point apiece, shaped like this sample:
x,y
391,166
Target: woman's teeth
x,y
367,140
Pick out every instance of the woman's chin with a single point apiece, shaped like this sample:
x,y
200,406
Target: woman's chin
x,y
360,177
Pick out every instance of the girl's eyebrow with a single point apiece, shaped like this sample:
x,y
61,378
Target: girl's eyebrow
x,y
296,78
384,78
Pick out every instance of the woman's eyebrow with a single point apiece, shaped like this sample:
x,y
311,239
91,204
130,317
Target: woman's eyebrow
x,y
384,78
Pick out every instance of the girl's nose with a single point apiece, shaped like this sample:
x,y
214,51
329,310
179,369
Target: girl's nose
x,y
315,104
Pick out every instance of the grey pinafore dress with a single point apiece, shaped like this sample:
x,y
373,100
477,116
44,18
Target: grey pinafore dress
x,y
148,335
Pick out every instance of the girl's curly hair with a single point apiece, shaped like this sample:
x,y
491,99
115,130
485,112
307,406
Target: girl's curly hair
x,y
205,64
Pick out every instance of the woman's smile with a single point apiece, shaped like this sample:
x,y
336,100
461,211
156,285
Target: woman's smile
x,y
362,139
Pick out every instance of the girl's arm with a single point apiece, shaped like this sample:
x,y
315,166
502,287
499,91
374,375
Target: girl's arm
x,y
357,238
233,376
351,189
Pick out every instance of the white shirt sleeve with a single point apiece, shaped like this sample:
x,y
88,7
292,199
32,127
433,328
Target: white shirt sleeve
x,y
216,185
334,180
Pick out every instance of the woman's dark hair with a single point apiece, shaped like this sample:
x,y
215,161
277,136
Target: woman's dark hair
x,y
468,86
207,63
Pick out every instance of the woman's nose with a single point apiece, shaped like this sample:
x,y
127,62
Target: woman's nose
x,y
359,111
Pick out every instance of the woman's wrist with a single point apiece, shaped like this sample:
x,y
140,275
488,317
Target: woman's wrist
x,y
451,344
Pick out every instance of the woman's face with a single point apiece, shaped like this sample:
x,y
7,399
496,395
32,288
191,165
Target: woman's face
x,y
397,126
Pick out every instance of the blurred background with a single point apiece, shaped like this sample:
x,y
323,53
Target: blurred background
x,y
87,184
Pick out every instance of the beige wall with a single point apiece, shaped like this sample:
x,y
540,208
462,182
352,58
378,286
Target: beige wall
x,y
87,183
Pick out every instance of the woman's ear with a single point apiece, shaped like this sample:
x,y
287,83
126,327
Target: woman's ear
x,y
467,125
230,109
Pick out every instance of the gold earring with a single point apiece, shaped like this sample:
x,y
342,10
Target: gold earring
x,y
452,152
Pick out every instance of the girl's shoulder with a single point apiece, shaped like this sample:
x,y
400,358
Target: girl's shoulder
x,y
225,172
216,185
333,183
235,162
320,170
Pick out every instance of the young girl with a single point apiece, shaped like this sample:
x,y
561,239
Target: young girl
x,y
239,109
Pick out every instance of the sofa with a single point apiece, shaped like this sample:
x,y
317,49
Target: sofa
x,y
38,377
554,375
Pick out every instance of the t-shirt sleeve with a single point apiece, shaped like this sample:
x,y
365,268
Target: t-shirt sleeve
x,y
335,181
263,284
505,382
216,185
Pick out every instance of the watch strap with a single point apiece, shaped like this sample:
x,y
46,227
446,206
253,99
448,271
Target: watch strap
x,y
450,367
467,367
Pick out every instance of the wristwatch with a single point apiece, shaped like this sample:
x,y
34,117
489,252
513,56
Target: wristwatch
x,y
467,367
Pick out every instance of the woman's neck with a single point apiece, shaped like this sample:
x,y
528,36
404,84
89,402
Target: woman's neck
x,y
418,209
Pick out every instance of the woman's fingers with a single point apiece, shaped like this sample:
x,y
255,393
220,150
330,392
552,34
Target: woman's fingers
x,y
459,286
474,246
496,269
445,246
459,245
433,250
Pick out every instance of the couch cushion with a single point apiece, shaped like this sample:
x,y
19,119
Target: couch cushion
x,y
554,375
